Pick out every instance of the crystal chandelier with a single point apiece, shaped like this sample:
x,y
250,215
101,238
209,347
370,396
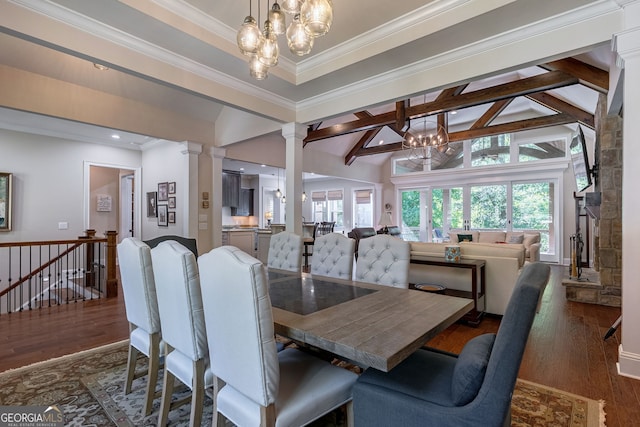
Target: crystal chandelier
x,y
309,19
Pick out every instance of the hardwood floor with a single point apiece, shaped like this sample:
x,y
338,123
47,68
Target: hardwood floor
x,y
566,349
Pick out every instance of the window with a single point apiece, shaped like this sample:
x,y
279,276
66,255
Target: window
x,y
489,207
363,208
490,150
327,206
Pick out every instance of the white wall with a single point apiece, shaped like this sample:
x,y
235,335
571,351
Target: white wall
x,y
48,177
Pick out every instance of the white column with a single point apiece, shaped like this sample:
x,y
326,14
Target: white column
x,y
627,46
215,198
189,215
294,133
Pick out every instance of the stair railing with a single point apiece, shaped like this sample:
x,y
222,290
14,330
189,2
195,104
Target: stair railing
x,y
47,273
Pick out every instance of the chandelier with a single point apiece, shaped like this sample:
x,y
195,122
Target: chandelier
x,y
309,19
423,139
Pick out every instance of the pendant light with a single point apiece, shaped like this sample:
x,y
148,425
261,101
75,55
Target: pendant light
x,y
278,192
316,16
268,50
299,41
276,16
291,6
257,69
249,35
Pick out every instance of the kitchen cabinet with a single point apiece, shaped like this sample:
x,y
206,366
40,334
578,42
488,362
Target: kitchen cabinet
x,y
245,207
264,238
243,240
231,189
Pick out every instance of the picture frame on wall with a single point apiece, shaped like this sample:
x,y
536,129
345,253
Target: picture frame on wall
x,y
172,217
6,187
152,211
163,216
172,202
163,191
172,188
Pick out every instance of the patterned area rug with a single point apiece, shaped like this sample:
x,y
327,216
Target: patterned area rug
x,y
87,387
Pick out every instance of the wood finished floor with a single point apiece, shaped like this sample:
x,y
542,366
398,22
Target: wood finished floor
x,y
566,349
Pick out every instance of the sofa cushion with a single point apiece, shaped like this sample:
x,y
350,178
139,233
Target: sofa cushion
x,y
516,239
468,374
491,237
531,238
453,234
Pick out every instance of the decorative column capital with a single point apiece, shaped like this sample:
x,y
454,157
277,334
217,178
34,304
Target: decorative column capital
x,y
218,153
191,147
294,130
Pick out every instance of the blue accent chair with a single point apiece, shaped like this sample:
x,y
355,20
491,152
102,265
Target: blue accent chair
x,y
435,388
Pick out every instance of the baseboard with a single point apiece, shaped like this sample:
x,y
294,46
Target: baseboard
x,y
628,364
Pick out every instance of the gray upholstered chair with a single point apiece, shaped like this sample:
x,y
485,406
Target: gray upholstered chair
x,y
262,387
384,260
183,330
141,305
474,388
333,256
285,252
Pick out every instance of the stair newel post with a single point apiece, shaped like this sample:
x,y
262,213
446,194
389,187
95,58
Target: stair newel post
x,y
90,273
112,281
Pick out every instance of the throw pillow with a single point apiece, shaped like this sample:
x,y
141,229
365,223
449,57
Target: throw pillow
x,y
465,237
468,374
516,239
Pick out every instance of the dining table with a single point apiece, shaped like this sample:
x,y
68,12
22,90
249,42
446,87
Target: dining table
x,y
370,325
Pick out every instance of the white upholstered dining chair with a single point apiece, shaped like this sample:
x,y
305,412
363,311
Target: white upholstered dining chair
x,y
262,387
384,260
141,305
333,256
183,330
285,252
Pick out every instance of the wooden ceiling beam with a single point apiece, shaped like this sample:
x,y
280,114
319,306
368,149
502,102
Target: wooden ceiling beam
x,y
452,91
490,115
590,76
561,106
362,143
520,125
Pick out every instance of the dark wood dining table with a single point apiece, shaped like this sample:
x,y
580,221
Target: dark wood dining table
x,y
370,325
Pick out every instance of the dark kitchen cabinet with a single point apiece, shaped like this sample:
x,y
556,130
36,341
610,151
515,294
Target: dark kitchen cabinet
x,y
245,207
231,189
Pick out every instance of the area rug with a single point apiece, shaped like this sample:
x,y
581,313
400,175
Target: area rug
x,y
87,388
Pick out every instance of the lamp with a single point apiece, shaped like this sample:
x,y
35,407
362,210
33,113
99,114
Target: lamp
x,y
385,222
312,18
278,192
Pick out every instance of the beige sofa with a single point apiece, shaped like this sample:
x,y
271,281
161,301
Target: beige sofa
x,y
530,239
502,268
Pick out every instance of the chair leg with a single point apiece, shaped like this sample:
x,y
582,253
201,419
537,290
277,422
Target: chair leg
x,y
197,393
152,377
131,368
167,393
349,407
217,420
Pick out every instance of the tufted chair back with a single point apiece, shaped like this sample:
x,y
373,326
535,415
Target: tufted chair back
x,y
285,251
235,288
384,260
333,256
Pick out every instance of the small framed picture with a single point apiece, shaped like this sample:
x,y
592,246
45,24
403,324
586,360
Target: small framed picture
x,y
172,188
172,202
172,217
163,191
163,217
152,212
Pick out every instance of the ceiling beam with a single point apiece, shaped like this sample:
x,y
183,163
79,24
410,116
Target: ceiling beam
x,y
362,142
490,115
452,91
526,86
590,76
520,125
561,106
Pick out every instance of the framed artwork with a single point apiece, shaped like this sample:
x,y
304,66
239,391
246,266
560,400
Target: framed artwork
x,y
152,212
172,202
6,185
172,188
163,191
163,217
172,217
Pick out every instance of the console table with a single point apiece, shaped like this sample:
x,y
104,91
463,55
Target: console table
x,y
477,293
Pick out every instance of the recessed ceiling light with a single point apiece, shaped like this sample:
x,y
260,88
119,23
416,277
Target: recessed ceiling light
x,y
381,142
100,66
115,136
453,112
263,166
241,169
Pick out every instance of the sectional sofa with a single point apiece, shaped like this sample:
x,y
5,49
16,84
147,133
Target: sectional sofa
x,y
530,240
